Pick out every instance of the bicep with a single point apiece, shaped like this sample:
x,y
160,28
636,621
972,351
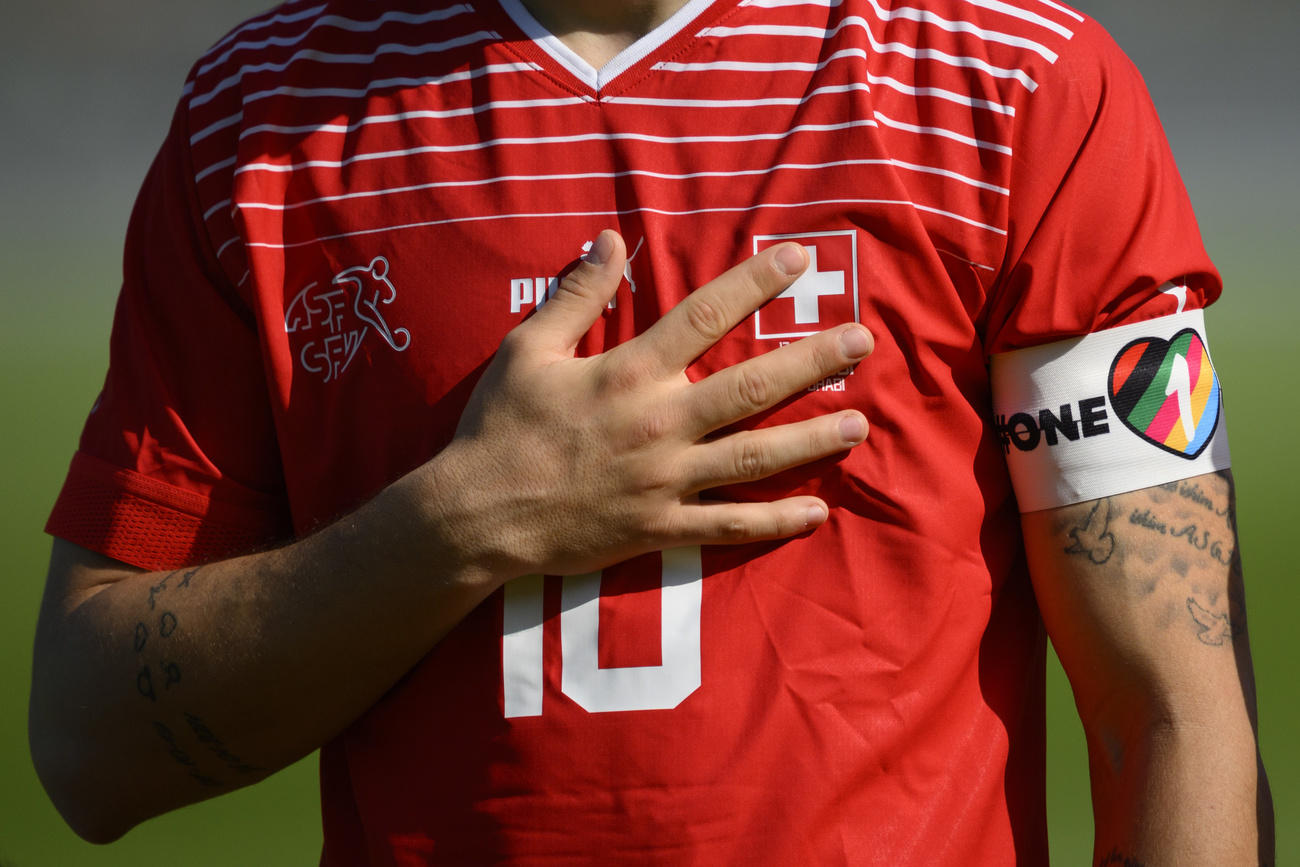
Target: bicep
x,y
1143,597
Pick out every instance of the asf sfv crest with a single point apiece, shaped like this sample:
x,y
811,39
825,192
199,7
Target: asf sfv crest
x,y
338,318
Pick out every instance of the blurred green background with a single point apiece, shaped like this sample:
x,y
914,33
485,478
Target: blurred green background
x,y
86,91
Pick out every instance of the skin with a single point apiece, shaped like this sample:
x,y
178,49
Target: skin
x,y
254,662
166,689
597,30
1142,594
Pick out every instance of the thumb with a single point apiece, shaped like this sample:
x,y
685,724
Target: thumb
x,y
581,295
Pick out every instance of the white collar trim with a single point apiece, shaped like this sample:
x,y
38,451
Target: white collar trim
x,y
597,79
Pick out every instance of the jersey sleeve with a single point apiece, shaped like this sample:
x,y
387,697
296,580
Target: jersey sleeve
x,y
1099,218
178,461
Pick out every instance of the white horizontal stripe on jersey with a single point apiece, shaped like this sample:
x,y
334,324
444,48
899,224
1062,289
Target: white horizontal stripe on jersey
x,y
217,207
909,13
939,93
533,141
798,66
735,103
418,115
382,83
621,213
967,261
340,23
581,176
1024,15
994,5
215,167
1065,9
326,57
226,246
943,133
921,16
880,47
216,127
263,23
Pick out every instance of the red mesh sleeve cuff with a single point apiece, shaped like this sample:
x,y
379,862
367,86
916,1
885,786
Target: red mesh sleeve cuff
x,y
153,525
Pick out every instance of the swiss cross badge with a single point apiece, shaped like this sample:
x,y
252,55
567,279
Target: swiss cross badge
x,y
824,296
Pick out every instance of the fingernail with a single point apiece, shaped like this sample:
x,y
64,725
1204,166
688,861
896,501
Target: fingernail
x,y
853,429
854,343
816,515
789,259
601,249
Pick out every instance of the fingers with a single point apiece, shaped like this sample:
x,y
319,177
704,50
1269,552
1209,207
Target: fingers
x,y
712,523
751,455
581,296
754,385
708,313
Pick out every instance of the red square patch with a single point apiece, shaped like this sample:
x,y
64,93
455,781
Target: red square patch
x,y
825,295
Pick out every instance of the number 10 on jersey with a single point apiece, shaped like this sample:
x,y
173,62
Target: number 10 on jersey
x,y
596,689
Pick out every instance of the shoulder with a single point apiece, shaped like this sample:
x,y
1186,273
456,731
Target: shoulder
x,y
336,44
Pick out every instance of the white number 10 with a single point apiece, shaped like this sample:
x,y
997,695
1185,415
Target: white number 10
x,y
596,689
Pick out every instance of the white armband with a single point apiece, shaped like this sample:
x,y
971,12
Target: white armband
x,y
1116,411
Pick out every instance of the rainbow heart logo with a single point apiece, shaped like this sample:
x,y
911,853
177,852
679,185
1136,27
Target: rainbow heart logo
x,y
1167,392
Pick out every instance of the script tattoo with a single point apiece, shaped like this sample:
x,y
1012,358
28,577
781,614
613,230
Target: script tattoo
x,y
215,745
1170,543
1093,537
157,590
184,759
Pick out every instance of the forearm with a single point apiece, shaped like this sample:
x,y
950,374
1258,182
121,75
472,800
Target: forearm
x,y
152,691
1144,598
156,690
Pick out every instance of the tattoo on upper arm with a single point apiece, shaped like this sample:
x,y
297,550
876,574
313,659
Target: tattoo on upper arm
x,y
160,670
1180,536
1093,536
1213,629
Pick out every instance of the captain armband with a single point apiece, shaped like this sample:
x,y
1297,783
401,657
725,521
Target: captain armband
x,y
1116,411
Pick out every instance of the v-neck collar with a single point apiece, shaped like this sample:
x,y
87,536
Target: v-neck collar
x,y
598,79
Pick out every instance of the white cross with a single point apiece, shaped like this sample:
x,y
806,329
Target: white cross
x,y
810,286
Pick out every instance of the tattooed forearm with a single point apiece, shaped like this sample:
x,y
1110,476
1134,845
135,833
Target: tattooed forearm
x,y
170,672
184,759
217,748
152,640
157,590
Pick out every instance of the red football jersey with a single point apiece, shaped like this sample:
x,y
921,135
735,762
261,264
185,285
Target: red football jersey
x,y
356,202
